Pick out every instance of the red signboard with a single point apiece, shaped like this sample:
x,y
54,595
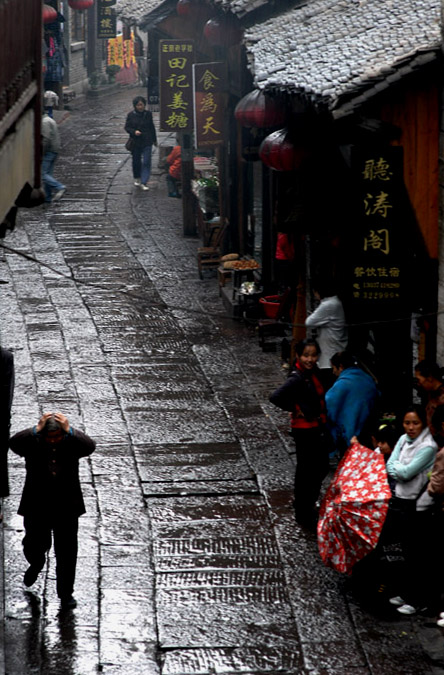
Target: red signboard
x,y
176,59
209,83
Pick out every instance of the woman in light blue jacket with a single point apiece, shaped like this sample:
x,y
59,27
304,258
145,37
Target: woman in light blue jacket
x,y
409,464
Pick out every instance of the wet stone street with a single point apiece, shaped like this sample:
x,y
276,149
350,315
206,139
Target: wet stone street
x,y
190,560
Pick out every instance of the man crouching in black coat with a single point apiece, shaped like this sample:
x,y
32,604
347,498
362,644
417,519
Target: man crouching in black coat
x,y
52,499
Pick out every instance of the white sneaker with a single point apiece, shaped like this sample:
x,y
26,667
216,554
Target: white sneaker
x,y
397,601
137,181
406,609
144,187
441,616
58,195
440,623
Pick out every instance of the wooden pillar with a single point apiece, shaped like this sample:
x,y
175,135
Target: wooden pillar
x,y
188,215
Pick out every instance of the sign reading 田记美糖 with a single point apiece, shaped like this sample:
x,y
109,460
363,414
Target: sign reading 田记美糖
x,y
176,58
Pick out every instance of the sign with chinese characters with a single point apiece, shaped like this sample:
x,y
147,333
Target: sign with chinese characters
x,y
176,58
106,19
209,84
378,260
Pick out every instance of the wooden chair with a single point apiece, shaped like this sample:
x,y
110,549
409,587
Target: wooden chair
x,y
208,257
277,326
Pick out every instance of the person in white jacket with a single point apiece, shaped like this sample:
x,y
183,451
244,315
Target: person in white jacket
x,y
329,321
50,150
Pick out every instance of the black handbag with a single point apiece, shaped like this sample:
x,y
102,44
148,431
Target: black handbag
x,y
129,145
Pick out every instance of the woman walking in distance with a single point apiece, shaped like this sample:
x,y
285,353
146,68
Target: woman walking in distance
x,y
140,126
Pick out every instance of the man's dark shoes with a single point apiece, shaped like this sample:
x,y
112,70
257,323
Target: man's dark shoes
x,y
30,576
68,602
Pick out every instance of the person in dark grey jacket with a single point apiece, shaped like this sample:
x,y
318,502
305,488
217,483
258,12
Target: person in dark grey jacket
x,y
140,126
52,498
6,396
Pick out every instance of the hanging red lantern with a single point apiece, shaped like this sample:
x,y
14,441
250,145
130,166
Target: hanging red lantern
x,y
49,14
258,110
80,4
222,33
279,153
186,8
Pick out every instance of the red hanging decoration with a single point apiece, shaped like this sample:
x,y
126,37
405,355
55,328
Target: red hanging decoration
x,y
186,8
258,110
49,14
222,33
279,153
80,4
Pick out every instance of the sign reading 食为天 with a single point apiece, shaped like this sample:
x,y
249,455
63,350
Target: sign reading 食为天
x,y
379,238
209,83
176,58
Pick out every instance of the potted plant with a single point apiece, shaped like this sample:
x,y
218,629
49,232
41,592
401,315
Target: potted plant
x,y
112,71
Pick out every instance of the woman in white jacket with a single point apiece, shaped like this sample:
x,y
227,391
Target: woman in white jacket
x,y
409,464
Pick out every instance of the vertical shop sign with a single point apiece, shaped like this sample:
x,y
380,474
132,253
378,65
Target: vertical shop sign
x,y
176,59
106,19
378,252
209,85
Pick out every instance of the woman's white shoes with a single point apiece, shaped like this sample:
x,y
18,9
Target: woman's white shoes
x,y
397,601
144,187
408,610
137,181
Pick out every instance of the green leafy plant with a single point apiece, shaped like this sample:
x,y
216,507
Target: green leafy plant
x,y
208,182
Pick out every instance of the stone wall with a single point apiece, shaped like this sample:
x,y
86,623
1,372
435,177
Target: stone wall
x,y
78,76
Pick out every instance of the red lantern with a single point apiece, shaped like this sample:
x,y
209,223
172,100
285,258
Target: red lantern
x,y
186,8
279,153
49,14
258,110
222,33
80,4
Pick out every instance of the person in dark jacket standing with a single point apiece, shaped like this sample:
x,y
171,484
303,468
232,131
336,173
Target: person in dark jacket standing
x,y
6,396
302,394
52,499
140,126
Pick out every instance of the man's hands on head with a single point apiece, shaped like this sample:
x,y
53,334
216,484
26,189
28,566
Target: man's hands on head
x,y
42,421
58,416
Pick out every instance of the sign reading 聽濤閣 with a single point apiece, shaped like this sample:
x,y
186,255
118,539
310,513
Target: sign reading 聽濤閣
x,y
176,58
209,84
379,239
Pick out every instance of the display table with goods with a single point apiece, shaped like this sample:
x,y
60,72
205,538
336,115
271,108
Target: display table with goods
x,y
239,283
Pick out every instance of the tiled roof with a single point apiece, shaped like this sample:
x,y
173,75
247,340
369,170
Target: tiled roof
x,y
134,10
240,7
340,52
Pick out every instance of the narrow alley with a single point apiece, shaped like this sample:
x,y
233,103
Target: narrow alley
x,y
190,560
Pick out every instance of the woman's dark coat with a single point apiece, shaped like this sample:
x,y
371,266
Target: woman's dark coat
x,y
141,121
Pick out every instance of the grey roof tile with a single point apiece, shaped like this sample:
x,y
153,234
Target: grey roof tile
x,y
334,49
